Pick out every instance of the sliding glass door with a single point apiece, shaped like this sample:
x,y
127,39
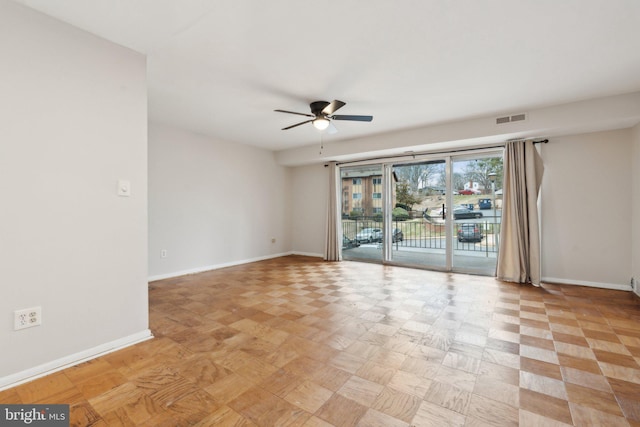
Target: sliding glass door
x,y
439,212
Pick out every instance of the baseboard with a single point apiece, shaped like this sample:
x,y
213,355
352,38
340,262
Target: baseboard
x,y
612,286
308,254
72,360
202,269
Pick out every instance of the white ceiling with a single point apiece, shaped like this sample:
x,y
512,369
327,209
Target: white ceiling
x,y
221,67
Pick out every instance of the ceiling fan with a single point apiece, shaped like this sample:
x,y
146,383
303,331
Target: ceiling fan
x,y
322,114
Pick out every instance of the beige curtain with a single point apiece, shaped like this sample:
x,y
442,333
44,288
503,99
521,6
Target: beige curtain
x,y
332,246
519,253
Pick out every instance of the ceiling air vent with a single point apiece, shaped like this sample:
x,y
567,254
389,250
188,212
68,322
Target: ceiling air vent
x,y
509,119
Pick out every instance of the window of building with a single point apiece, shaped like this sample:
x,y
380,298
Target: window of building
x,y
377,195
377,181
357,181
377,210
357,195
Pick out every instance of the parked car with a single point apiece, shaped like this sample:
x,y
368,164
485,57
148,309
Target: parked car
x,y
348,243
464,213
469,233
367,235
470,191
397,235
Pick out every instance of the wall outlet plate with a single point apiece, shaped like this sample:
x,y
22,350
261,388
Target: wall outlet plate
x,y
27,318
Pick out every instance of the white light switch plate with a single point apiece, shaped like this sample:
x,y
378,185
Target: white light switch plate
x,y
124,188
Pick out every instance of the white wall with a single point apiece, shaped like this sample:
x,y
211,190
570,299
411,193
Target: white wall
x,y
587,209
73,111
310,198
213,203
635,224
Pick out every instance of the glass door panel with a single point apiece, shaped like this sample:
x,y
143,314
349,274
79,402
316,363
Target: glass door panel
x,y
418,221
477,208
362,213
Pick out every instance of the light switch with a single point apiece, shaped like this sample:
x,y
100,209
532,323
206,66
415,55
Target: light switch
x,y
124,188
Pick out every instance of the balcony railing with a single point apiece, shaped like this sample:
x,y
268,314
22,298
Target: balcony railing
x,y
474,235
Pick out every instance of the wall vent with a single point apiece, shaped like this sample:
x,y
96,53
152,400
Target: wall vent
x,y
510,119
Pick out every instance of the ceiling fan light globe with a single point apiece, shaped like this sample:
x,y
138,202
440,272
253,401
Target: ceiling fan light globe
x,y
321,123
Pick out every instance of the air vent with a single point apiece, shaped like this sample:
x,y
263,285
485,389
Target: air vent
x,y
509,119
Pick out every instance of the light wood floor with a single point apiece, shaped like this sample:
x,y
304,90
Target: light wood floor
x,y
295,341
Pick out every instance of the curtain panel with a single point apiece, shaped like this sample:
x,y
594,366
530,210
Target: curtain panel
x,y
519,253
332,246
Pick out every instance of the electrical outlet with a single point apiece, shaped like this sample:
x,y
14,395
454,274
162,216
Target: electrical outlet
x,y
273,240
27,318
163,253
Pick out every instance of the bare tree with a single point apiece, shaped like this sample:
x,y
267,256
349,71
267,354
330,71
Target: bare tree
x,y
457,183
418,175
479,170
409,175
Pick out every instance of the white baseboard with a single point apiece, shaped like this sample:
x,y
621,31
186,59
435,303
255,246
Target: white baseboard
x,y
202,269
308,254
613,286
72,359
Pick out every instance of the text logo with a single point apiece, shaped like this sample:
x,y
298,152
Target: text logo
x,y
34,415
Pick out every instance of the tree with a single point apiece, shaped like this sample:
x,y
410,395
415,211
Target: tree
x,y
405,196
479,170
410,176
457,183
417,175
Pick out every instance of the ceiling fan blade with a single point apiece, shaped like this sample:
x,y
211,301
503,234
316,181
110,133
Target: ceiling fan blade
x,y
293,112
333,106
297,124
354,118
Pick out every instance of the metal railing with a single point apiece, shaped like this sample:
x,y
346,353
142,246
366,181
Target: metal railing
x,y
476,235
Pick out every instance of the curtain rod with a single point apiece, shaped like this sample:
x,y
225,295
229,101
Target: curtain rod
x,y
543,141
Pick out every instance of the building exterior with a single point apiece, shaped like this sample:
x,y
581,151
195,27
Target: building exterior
x,y
362,192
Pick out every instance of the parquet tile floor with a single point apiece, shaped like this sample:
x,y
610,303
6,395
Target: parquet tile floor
x,y
296,341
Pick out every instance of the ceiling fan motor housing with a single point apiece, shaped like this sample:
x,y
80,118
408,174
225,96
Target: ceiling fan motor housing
x,y
317,107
